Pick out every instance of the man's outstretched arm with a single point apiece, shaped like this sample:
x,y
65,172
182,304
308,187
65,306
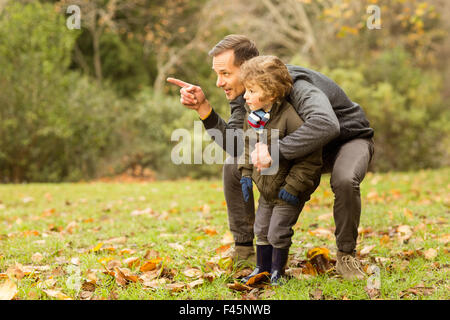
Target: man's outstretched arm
x,y
192,97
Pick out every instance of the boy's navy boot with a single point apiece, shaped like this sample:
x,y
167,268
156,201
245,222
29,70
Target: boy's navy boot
x,y
279,260
263,261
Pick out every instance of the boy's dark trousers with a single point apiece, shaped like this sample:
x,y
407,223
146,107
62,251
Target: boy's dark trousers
x,y
273,223
348,165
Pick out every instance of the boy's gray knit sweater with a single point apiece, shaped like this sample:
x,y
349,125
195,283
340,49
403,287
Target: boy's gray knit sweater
x,y
330,117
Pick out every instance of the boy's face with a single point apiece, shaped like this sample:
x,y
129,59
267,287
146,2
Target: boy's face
x,y
254,97
228,74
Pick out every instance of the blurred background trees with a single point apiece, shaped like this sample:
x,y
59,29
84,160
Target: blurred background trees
x,y
82,104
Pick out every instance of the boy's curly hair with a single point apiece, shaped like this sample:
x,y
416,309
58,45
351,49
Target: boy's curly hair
x,y
268,72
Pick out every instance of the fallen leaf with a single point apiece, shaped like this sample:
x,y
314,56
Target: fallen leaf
x,y
37,257
222,249
325,216
154,283
88,286
252,295
150,254
365,251
86,295
123,276
176,287
404,232
49,283
91,276
444,239
176,246
321,233
48,212
192,273
210,276
267,294
382,260
57,294
28,233
316,294
384,240
206,209
430,254
97,247
309,269
408,254
116,240
149,275
16,271
126,251
8,290
373,293
71,227
318,251
258,278
27,199
210,231
242,273
131,262
147,211
196,283
418,290
298,273
320,259
150,265
238,286
227,238
407,213
225,263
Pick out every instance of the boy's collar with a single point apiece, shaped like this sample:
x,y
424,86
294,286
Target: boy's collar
x,y
275,107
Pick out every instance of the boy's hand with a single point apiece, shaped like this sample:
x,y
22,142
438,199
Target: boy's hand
x,y
247,185
261,157
289,198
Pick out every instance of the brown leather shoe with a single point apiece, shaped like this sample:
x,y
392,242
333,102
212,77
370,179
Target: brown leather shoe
x,y
244,254
349,267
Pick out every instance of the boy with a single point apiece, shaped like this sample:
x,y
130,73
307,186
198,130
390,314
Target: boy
x,y
267,82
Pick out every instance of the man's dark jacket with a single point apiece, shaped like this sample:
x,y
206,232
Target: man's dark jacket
x,y
330,117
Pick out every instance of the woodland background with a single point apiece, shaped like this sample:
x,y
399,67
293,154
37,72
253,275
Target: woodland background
x,y
77,105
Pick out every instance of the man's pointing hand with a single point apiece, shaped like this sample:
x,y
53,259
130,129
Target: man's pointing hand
x,y
192,97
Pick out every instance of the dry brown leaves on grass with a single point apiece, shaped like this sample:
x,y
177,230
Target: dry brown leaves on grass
x,y
8,290
318,262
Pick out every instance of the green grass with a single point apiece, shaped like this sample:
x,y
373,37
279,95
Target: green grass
x,y
102,211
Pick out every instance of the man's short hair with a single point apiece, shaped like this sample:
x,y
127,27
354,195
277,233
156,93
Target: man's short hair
x,y
268,72
244,48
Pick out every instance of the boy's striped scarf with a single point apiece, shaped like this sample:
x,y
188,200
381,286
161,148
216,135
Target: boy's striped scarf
x,y
258,119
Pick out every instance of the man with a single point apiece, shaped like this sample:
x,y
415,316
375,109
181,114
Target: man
x,y
331,121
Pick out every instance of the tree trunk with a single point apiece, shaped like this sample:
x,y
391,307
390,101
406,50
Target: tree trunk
x,y
97,58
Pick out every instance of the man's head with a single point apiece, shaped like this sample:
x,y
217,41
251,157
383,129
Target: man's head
x,y
228,55
266,79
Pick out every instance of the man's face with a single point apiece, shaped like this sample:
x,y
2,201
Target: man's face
x,y
254,96
228,74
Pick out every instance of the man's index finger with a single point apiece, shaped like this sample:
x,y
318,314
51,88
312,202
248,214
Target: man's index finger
x,y
178,82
